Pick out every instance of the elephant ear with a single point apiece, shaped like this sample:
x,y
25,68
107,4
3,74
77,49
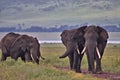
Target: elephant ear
x,y
64,36
103,33
19,42
80,32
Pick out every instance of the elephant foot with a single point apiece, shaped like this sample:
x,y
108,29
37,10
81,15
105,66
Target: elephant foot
x,y
3,58
91,72
99,72
78,71
29,60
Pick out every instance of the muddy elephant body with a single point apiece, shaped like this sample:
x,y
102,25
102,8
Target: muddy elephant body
x,y
90,39
23,46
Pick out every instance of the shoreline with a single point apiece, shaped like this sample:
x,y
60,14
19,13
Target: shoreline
x,y
55,41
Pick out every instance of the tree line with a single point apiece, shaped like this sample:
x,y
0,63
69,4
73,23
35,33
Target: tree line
x,y
109,28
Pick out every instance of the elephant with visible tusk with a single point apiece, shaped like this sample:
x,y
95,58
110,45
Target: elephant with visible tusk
x,y
24,46
95,42
90,39
74,43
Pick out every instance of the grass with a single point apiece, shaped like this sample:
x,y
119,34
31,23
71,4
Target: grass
x,y
18,70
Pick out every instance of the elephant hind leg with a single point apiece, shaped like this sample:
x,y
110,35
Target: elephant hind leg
x,y
77,63
3,57
23,58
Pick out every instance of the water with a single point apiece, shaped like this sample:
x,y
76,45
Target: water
x,y
54,37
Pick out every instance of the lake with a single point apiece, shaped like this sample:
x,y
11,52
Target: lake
x,y
54,37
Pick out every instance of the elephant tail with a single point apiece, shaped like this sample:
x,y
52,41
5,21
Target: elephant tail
x,y
42,58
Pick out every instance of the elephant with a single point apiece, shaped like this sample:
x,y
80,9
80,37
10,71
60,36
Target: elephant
x,y
95,43
90,39
74,43
23,46
6,43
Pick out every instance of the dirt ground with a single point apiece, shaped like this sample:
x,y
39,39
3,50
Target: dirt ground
x,y
104,75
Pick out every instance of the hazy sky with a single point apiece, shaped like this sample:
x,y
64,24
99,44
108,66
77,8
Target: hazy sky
x,y
48,13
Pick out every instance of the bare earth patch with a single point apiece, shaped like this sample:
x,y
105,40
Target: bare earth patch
x,y
105,75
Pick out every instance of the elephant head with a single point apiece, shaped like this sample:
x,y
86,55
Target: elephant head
x,y
34,48
27,47
95,42
72,39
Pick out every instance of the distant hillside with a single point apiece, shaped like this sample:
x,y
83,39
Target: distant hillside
x,y
109,28
52,12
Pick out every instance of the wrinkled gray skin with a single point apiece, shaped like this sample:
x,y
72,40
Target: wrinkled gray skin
x,y
23,46
89,36
95,36
6,43
73,40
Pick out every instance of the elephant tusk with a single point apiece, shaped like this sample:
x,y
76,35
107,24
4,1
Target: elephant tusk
x,y
32,57
98,52
83,50
78,50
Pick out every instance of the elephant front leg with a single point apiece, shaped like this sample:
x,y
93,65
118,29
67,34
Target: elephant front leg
x,y
28,57
23,58
98,66
77,62
71,60
15,55
98,60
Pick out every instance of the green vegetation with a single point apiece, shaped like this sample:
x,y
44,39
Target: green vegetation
x,y
18,70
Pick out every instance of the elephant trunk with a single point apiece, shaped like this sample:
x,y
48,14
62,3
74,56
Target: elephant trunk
x,y
34,57
97,50
70,51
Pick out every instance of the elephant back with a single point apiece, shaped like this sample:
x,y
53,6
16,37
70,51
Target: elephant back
x,y
8,39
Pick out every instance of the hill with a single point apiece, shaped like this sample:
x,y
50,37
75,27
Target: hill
x,y
59,12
